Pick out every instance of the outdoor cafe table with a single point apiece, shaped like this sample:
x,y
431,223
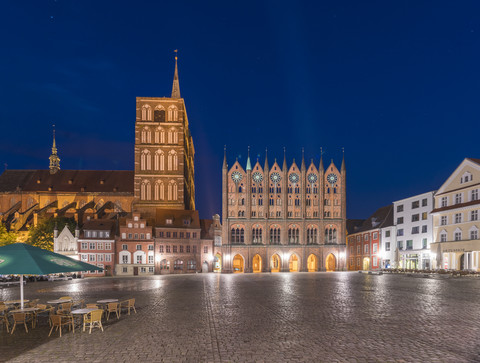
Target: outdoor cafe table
x,y
15,302
106,301
83,312
24,310
59,301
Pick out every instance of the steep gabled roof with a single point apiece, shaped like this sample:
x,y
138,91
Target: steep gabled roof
x,y
178,218
98,181
382,218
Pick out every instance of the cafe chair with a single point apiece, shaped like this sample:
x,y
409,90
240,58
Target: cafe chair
x,y
79,303
65,309
4,316
113,308
127,305
92,306
94,318
21,318
60,320
45,311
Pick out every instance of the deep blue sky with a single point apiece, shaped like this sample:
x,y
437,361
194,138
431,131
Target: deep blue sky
x,y
396,83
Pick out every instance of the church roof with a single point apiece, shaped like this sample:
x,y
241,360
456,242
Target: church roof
x,y
177,218
74,181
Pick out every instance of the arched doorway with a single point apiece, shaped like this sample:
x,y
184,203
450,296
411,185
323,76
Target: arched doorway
x,y
257,263
366,264
217,263
293,263
275,263
238,266
312,264
331,263
205,267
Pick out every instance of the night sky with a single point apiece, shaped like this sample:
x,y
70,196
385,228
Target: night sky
x,y
396,83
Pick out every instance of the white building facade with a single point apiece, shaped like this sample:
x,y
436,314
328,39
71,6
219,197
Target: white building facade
x,y
414,231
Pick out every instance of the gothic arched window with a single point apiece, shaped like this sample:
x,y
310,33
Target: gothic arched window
x,y
159,114
146,113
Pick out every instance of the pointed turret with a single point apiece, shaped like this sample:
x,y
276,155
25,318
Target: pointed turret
x,y
249,165
176,84
321,167
342,169
284,160
54,159
266,161
303,159
225,157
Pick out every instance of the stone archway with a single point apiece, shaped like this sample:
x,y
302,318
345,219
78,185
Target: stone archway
x,y
312,263
294,263
366,264
257,263
238,264
331,263
275,263
217,263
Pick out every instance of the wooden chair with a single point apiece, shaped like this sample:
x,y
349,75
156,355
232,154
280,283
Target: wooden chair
x,y
94,318
33,303
92,306
128,304
21,318
65,309
79,303
44,311
4,316
113,308
60,320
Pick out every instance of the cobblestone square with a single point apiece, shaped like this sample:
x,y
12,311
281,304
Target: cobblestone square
x,y
283,317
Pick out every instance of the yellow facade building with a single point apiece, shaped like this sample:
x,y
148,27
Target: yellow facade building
x,y
456,219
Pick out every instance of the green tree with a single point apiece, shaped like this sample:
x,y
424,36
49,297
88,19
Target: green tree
x,y
7,237
42,235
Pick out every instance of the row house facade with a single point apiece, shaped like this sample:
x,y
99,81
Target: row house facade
x,y
135,247
96,245
364,245
456,219
413,221
179,246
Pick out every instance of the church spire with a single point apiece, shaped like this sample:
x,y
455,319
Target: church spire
x,y
303,159
54,159
284,159
266,160
225,156
176,84
342,169
249,165
321,167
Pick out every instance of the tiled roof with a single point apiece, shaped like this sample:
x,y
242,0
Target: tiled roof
x,y
99,225
76,181
475,160
178,218
383,217
353,225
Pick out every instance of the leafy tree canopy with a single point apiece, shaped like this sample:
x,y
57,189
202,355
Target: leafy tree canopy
x,y
42,235
6,237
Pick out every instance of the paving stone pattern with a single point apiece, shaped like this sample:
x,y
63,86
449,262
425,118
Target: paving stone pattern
x,y
284,317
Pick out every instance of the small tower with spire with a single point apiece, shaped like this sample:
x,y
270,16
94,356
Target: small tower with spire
x,y
176,83
54,159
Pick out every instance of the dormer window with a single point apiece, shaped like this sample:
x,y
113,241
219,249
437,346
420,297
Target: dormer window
x,y
169,221
135,218
466,177
186,222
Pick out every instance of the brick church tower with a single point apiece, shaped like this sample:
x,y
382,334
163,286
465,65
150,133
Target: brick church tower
x,y
164,153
